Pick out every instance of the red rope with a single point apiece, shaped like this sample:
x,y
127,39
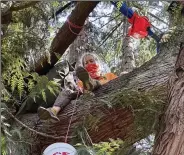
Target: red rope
x,y
72,116
73,26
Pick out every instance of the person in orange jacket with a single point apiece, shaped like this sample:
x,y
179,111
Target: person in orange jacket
x,y
90,78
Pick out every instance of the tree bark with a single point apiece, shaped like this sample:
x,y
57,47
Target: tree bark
x,y
170,140
65,37
128,60
79,46
125,108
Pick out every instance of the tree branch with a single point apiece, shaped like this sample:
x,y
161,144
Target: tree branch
x,y
110,33
140,8
36,132
23,6
7,15
109,21
157,18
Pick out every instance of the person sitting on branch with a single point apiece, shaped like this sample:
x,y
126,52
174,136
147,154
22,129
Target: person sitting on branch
x,y
90,78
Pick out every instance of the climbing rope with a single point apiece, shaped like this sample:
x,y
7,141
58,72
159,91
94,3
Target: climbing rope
x,y
74,108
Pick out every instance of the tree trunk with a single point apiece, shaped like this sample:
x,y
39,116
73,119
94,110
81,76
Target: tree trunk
x,y
80,45
170,140
65,37
128,60
125,108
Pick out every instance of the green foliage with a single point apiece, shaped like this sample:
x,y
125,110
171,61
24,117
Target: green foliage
x,y
5,130
19,79
3,145
146,107
42,85
147,50
24,41
27,39
108,148
102,148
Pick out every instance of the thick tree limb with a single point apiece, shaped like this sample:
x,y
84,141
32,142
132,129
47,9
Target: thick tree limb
x,y
65,37
170,140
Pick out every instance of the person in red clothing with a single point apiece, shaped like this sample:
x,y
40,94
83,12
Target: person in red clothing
x,y
91,73
90,78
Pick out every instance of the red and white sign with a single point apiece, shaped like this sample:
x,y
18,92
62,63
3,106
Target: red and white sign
x,y
60,149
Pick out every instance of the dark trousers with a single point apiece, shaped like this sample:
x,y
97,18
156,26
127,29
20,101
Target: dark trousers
x,y
65,97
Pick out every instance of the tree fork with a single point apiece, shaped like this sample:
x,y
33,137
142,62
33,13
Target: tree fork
x,y
126,95
65,37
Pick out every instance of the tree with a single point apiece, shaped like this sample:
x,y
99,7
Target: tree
x,y
123,108
128,60
139,98
60,43
171,134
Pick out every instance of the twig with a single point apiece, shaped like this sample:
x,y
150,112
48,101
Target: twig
x,y
110,33
60,10
157,18
139,7
99,17
157,29
37,132
109,21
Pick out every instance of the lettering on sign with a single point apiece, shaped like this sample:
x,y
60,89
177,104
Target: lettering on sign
x,y
61,153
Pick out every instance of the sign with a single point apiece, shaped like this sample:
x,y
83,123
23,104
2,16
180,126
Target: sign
x,y
60,149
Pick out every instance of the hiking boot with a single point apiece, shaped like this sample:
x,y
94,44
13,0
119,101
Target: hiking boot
x,y
88,83
47,113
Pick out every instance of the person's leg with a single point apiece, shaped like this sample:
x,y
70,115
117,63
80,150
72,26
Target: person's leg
x,y
62,100
48,113
88,83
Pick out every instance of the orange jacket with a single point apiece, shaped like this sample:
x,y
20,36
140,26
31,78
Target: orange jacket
x,y
104,79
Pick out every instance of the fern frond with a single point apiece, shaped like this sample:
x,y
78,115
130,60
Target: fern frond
x,y
13,82
35,76
20,86
51,90
30,85
44,95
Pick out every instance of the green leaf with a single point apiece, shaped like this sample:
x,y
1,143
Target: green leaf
x,y
20,86
51,90
13,82
44,95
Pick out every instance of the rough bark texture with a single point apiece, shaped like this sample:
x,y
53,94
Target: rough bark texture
x,y
65,37
79,46
149,82
128,60
170,140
